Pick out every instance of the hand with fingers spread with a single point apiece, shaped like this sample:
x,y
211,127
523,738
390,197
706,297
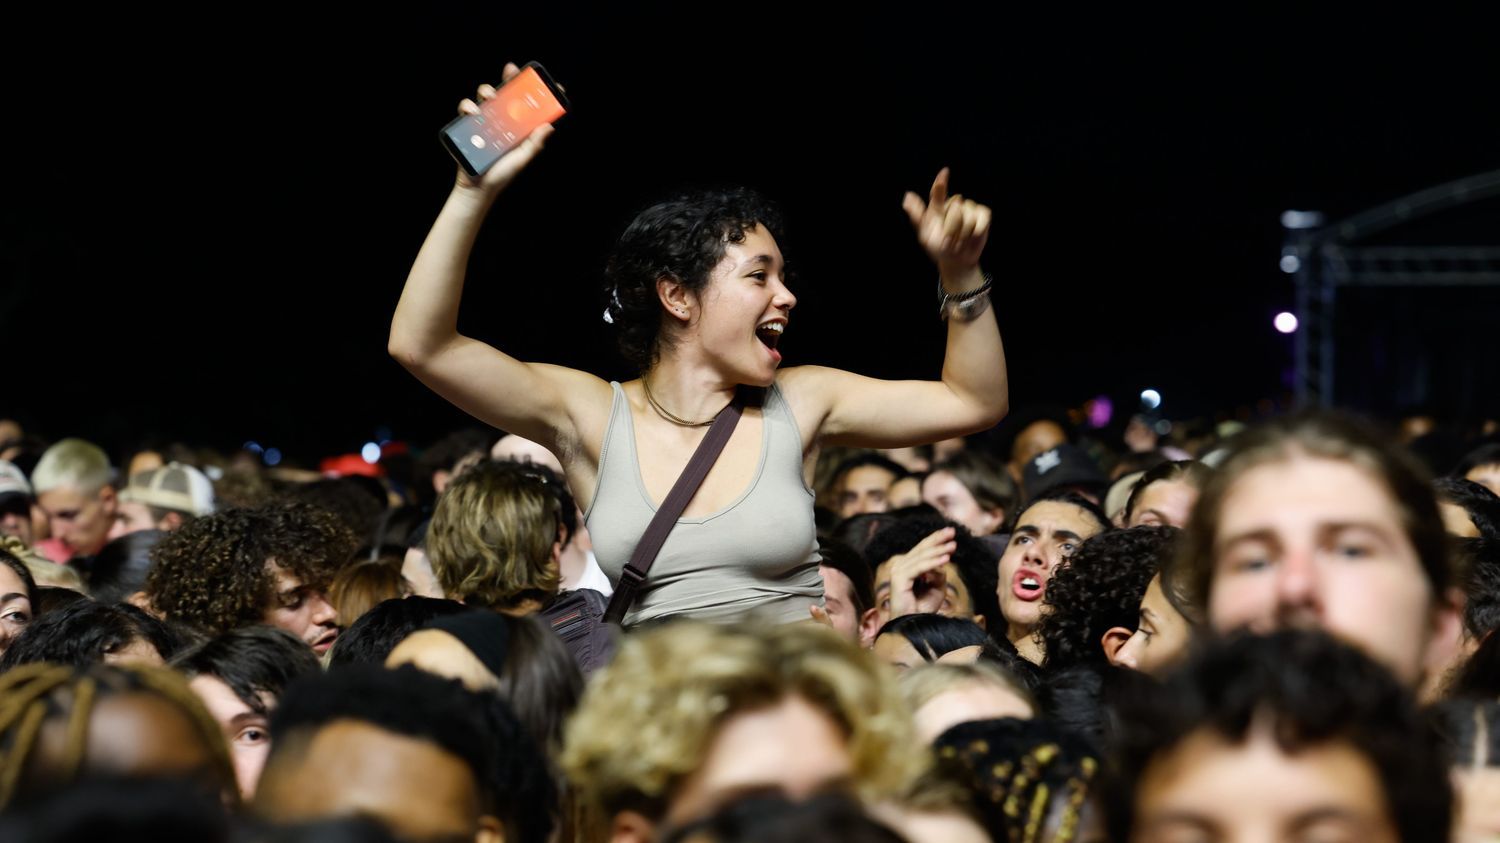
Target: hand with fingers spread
x,y
952,230
497,177
918,582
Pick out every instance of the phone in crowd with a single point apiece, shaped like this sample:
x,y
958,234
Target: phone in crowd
x,y
518,108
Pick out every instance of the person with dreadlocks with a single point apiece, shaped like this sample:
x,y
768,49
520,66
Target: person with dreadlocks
x,y
60,724
1030,782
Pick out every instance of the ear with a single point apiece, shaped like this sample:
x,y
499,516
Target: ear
x,y
491,830
170,522
1445,641
869,626
440,480
107,498
677,299
983,624
1112,641
631,827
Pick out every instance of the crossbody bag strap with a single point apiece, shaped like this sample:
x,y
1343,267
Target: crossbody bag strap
x,y
671,509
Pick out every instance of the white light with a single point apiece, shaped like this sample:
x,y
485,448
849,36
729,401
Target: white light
x,y
1150,399
1290,264
371,453
1286,322
253,447
272,456
1301,219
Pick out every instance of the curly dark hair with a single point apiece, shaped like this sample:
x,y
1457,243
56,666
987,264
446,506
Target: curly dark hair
x,y
1307,690
215,573
1098,588
682,239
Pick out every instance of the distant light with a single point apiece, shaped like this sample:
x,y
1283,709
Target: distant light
x,y
1099,411
1150,399
1301,219
253,447
371,452
1290,264
272,456
1285,322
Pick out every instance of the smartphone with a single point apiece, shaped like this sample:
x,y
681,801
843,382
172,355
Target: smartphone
x,y
517,109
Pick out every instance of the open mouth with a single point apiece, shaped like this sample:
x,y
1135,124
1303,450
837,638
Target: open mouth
x,y
769,333
1028,585
325,642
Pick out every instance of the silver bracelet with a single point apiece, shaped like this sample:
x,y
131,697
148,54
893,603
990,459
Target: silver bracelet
x,y
967,305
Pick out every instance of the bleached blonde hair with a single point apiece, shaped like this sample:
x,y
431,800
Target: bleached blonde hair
x,y
647,719
72,463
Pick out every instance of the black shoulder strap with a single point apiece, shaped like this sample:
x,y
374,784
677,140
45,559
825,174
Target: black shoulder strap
x,y
671,509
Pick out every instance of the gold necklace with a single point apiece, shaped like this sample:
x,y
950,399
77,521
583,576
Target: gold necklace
x,y
662,411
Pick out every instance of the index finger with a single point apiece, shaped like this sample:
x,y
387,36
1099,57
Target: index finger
x,y
938,196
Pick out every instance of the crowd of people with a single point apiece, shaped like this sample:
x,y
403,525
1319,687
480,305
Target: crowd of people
x,y
891,611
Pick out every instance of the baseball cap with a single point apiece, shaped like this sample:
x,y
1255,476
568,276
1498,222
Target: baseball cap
x,y
13,480
1064,465
173,486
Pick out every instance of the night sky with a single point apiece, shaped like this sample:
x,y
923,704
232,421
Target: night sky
x,y
203,236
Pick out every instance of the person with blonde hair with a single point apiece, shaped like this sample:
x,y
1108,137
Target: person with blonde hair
x,y
494,540
74,486
690,714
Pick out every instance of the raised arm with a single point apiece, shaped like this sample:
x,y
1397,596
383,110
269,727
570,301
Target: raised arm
x,y
537,401
973,393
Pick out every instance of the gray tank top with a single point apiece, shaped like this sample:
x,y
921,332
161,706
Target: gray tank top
x,y
757,556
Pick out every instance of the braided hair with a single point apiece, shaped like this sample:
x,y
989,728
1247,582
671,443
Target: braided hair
x,y
1021,773
31,695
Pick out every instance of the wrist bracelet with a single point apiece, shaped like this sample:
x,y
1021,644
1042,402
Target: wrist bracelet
x,y
961,303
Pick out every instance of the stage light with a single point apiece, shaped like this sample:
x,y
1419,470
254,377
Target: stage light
x,y
1150,399
1286,322
1290,264
1301,219
272,456
371,452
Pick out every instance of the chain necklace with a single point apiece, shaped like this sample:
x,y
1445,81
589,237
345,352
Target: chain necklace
x,y
662,411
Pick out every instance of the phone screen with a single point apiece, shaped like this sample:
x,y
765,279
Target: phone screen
x,y
518,108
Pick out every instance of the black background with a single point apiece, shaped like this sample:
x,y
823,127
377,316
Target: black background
x,y
208,216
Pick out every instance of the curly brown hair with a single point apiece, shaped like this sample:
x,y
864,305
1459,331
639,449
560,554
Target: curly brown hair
x,y
216,572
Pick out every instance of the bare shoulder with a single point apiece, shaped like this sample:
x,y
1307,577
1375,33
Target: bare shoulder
x,y
809,392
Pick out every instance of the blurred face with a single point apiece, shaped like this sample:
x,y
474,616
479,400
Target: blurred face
x,y
1161,637
838,599
1457,522
1165,503
744,308
1034,439
896,651
81,521
1487,475
15,517
15,606
351,768
952,499
1311,542
791,747
1045,535
302,610
904,492
130,517
245,730
1199,791
967,703
864,489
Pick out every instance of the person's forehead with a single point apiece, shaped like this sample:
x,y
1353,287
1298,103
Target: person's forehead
x,y
220,700
62,497
867,476
836,583
1050,516
10,582
1306,490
